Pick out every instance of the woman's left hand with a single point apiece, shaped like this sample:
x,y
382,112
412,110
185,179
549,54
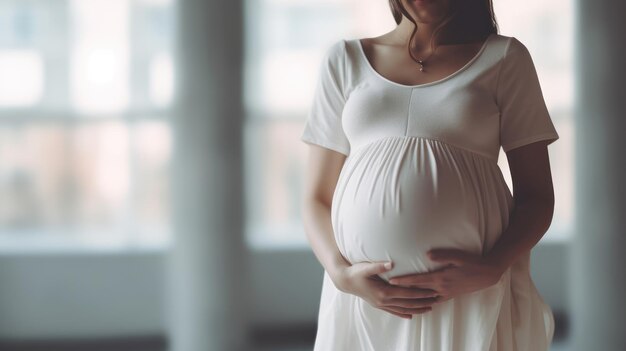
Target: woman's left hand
x,y
465,273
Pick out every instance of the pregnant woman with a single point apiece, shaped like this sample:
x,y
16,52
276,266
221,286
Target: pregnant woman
x,y
405,131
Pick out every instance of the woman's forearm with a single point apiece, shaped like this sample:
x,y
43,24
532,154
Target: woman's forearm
x,y
528,223
319,232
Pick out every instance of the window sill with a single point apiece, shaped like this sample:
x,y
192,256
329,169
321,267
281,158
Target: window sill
x,y
49,242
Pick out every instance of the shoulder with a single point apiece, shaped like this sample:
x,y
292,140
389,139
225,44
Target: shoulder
x,y
513,56
334,58
513,49
336,50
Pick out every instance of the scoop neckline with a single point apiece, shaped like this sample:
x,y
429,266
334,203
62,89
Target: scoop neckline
x,y
463,68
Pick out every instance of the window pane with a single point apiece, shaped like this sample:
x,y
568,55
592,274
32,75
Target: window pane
x,y
61,177
152,30
151,159
22,74
24,27
275,163
161,79
100,55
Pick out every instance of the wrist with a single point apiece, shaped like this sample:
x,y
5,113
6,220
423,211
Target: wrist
x,y
336,271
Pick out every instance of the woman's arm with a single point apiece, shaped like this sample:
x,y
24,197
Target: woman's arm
x,y
322,173
534,204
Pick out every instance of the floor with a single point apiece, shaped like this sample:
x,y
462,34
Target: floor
x,y
562,345
296,341
556,346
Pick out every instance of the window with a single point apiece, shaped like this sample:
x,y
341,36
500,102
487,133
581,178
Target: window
x,y
84,139
285,43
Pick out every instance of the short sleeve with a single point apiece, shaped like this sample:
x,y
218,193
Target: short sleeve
x,y
323,126
524,117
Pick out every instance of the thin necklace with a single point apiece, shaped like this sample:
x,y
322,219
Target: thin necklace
x,y
423,61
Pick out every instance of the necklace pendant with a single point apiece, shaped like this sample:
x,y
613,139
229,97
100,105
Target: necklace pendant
x,y
421,62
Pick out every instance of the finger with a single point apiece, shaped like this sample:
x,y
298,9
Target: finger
x,y
415,303
422,280
376,268
409,293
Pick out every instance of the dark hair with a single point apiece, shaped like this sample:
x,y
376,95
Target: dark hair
x,y
469,19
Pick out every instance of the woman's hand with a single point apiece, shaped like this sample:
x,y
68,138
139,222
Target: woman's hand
x,y
361,279
465,273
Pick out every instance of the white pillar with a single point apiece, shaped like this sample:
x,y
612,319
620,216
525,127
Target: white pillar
x,y
206,270
598,258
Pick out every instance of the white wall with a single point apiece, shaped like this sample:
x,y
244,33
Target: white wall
x,y
80,295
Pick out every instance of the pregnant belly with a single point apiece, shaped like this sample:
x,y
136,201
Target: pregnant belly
x,y
398,197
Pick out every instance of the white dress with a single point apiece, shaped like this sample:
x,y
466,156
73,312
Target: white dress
x,y
421,172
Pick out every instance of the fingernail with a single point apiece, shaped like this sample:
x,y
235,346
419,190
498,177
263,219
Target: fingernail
x,y
393,282
388,265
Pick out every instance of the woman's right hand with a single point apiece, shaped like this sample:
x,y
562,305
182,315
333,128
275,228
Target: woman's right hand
x,y
361,279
